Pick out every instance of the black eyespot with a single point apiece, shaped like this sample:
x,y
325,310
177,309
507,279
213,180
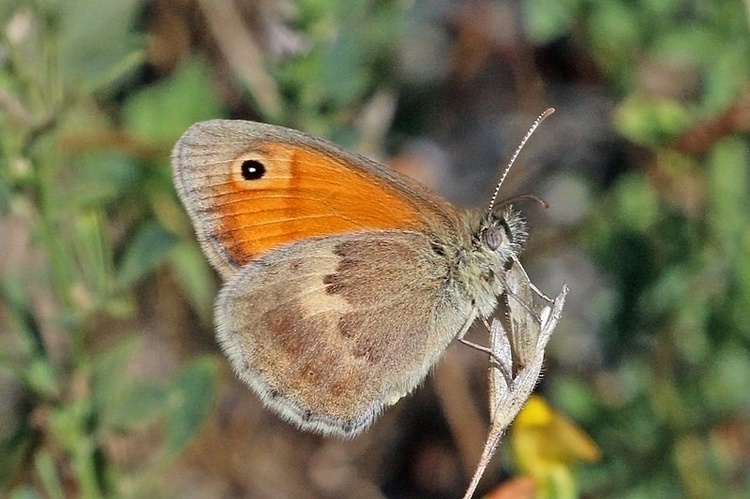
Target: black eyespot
x,y
253,169
437,249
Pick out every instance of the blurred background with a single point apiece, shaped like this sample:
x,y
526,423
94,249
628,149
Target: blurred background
x,y
111,383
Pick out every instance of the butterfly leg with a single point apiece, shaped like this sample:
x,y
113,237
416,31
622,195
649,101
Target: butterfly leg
x,y
495,355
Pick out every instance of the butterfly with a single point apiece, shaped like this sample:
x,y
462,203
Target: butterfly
x,y
344,281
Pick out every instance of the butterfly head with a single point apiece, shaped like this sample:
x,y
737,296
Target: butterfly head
x,y
496,238
503,232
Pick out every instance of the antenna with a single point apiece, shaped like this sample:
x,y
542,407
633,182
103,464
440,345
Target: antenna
x,y
525,139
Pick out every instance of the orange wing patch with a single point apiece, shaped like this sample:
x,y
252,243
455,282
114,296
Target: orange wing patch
x,y
277,194
251,187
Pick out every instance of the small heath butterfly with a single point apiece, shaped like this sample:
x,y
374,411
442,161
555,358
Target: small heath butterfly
x,y
344,281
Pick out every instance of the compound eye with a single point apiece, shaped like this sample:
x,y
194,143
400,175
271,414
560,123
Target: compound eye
x,y
494,237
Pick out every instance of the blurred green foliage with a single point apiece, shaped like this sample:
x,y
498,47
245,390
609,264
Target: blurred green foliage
x,y
84,166
96,198
677,336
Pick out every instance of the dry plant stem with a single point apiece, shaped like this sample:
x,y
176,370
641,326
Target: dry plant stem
x,y
507,400
703,135
242,53
375,120
466,421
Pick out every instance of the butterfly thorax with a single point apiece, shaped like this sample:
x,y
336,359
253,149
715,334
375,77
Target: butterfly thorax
x,y
490,242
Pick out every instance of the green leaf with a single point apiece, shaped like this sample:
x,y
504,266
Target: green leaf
x,y
22,319
195,278
616,33
729,193
108,370
148,249
68,424
136,404
727,75
725,384
547,21
650,121
47,471
191,396
687,44
103,178
346,55
41,377
162,112
96,36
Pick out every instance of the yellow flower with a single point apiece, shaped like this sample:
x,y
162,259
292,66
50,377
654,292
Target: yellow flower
x,y
546,445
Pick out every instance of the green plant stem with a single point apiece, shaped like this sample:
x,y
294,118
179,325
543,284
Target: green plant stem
x,y
83,463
